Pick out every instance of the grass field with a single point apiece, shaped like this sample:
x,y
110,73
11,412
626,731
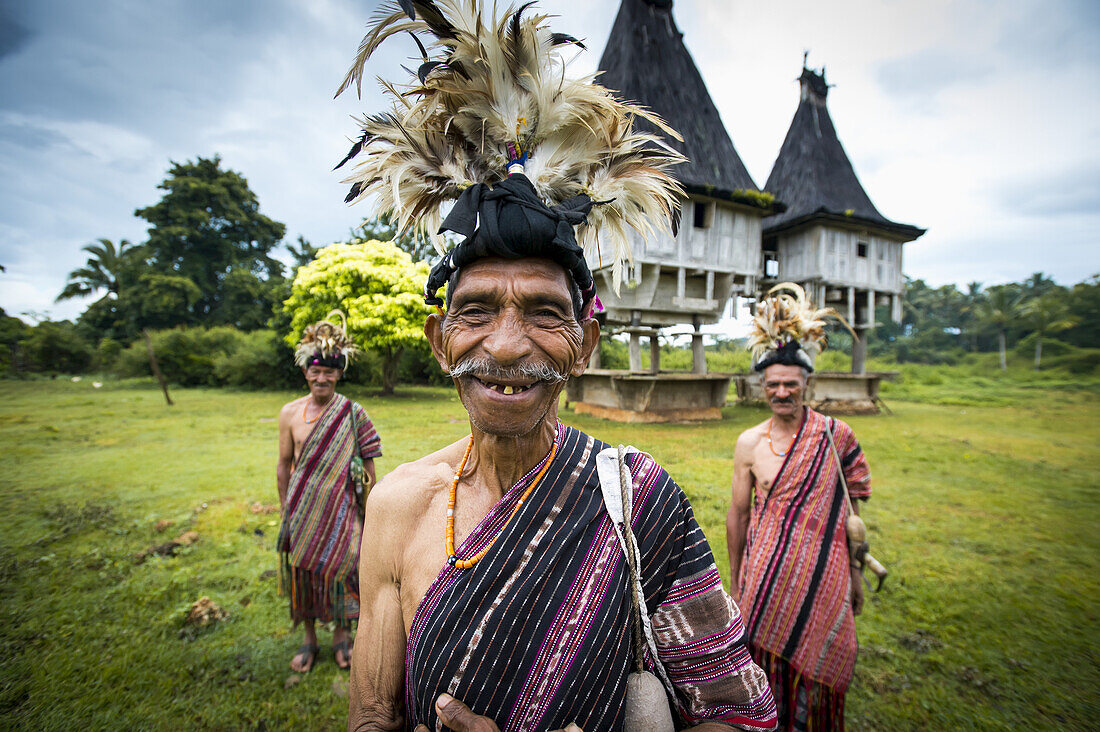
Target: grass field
x,y
985,511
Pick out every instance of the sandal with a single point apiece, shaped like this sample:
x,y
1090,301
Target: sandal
x,y
308,651
345,647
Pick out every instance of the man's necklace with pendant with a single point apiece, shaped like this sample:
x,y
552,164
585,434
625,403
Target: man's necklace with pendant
x,y
316,417
771,446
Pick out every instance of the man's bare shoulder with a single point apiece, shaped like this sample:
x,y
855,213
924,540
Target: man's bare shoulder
x,y
407,491
750,437
291,408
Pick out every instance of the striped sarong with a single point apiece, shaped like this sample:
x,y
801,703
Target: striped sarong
x,y
795,576
537,634
318,541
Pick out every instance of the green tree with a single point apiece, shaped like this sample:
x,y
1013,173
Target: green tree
x,y
206,227
378,287
102,271
1048,313
1084,303
999,311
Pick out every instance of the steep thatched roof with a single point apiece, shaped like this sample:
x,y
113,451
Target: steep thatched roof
x,y
646,62
813,175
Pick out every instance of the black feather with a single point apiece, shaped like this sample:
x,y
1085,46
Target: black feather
x,y
426,68
676,213
435,19
560,39
356,188
423,51
355,149
458,68
407,6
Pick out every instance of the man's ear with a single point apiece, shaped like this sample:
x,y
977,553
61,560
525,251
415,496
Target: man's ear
x,y
590,343
433,331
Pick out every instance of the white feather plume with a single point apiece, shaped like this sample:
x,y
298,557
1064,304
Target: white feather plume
x,y
489,82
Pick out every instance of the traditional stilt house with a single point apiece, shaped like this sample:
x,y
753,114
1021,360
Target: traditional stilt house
x,y
687,278
831,239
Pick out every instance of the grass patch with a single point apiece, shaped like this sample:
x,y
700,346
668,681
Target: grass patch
x,y
984,512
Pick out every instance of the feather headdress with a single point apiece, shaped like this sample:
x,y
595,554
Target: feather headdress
x,y
326,344
788,329
491,99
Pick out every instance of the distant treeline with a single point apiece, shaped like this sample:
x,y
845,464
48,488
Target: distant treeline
x,y
209,292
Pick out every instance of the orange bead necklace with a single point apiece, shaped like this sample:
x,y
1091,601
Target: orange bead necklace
x,y
772,447
467,563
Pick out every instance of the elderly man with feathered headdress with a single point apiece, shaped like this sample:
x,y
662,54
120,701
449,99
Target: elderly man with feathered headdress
x,y
495,589
792,573
327,446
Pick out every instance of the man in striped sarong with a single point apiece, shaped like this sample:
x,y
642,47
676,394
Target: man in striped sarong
x,y
495,592
319,538
788,550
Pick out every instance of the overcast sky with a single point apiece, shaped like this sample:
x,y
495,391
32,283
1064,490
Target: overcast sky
x,y
977,119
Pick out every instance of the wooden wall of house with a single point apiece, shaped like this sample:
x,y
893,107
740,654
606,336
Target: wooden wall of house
x,y
728,241
833,255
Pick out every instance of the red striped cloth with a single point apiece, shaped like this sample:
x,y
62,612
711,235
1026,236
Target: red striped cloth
x,y
795,577
319,538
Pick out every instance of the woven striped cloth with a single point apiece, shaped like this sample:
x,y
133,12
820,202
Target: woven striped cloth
x,y
795,577
318,541
536,635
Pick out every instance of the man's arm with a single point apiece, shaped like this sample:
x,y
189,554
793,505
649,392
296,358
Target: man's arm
x,y
737,520
285,465
378,658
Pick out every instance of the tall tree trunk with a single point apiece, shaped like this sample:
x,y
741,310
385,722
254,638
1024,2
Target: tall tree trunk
x,y
1001,344
1038,350
155,366
390,359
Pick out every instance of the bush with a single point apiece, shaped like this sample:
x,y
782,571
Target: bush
x,y
1079,361
106,354
186,356
259,360
56,347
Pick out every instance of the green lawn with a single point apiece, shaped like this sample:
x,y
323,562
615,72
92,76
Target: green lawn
x,y
985,511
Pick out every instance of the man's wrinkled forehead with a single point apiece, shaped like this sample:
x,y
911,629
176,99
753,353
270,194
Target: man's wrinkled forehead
x,y
530,281
784,373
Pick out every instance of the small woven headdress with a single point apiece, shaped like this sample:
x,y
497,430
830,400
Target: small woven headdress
x,y
326,344
490,119
787,329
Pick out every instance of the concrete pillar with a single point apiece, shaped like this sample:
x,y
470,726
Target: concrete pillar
x,y
654,354
852,306
870,309
895,308
859,351
594,359
698,352
635,348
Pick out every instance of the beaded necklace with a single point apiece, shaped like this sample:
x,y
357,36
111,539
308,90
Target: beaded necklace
x,y
772,447
467,563
311,421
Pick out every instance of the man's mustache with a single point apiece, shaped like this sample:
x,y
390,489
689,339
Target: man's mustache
x,y
784,400
487,368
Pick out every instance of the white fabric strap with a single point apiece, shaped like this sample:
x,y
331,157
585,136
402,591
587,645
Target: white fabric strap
x,y
613,473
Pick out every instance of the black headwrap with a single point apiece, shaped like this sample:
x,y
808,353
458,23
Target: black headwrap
x,y
509,220
788,354
335,361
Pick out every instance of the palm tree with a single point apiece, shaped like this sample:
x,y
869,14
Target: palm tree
x,y
100,272
1048,313
998,310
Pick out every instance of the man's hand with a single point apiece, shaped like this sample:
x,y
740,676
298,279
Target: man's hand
x,y
458,717
857,592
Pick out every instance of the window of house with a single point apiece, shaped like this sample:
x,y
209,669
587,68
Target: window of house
x,y
703,214
861,249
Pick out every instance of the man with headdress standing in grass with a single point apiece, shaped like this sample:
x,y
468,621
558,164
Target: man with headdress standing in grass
x,y
320,437
495,590
792,573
